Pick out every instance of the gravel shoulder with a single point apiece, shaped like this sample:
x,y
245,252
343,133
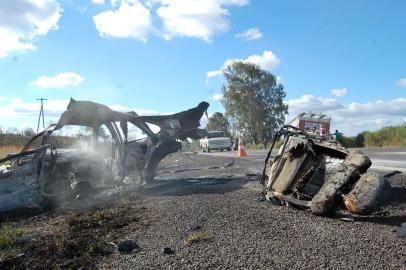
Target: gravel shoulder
x,y
204,210
192,196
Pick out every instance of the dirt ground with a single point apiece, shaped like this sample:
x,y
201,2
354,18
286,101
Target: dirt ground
x,y
203,212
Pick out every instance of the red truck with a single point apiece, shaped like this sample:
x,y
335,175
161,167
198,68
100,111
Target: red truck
x,y
313,123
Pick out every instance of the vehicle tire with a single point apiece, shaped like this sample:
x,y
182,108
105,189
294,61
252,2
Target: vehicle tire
x,y
229,149
208,150
221,150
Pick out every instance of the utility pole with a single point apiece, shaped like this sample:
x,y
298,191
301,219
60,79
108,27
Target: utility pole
x,y
41,113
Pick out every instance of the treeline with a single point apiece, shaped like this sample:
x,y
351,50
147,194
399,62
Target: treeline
x,y
19,140
391,136
13,139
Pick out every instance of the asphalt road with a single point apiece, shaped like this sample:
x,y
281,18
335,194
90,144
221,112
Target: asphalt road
x,y
383,159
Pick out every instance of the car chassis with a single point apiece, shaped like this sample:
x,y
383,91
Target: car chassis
x,y
311,172
29,178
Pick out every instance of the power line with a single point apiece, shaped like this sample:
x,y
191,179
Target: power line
x,y
41,113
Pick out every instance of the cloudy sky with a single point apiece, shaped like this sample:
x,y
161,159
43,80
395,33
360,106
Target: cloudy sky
x,y
343,58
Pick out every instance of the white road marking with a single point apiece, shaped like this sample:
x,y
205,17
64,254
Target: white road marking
x,y
380,163
388,161
390,153
387,168
388,165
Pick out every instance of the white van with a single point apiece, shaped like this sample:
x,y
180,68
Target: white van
x,y
216,140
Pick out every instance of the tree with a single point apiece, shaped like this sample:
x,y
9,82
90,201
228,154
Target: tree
x,y
28,132
218,122
253,100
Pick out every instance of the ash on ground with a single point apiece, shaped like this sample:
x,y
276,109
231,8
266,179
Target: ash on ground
x,y
212,200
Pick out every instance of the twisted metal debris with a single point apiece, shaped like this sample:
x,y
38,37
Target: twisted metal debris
x,y
320,175
42,170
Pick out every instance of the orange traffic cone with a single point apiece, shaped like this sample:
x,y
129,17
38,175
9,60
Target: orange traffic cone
x,y
241,148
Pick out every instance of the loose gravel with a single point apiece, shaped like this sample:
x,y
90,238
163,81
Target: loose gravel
x,y
245,233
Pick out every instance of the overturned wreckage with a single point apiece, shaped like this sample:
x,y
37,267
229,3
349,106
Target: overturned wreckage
x,y
314,173
42,169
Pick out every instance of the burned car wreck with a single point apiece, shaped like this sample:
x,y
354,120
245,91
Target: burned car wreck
x,y
42,169
314,173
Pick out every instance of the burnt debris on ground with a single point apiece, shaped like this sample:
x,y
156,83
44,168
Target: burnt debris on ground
x,y
73,240
220,203
314,173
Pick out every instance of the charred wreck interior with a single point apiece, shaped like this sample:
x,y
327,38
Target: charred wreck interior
x,y
42,169
320,175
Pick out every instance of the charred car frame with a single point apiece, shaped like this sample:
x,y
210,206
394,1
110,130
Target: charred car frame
x,y
41,169
314,173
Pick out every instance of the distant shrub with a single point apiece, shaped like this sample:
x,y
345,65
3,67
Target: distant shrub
x,y
259,146
391,136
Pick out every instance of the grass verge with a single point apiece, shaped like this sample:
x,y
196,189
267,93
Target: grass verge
x,y
9,235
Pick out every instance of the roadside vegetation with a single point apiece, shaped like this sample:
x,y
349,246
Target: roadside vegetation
x,y
69,240
9,235
14,141
390,136
262,146
253,102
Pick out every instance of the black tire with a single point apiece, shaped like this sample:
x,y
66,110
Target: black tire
x,y
229,149
221,150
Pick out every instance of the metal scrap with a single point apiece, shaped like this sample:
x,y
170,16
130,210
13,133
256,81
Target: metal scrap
x,y
320,175
29,178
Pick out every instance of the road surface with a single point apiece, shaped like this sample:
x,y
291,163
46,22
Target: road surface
x,y
383,159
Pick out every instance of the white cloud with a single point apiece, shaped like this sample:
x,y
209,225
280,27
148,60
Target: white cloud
x,y
279,80
395,107
217,97
340,92
352,118
311,103
198,18
268,61
130,20
54,108
60,80
22,21
98,2
235,2
250,34
401,82
18,108
202,19
211,74
19,113
3,98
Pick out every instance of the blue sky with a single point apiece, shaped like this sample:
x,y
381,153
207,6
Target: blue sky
x,y
343,58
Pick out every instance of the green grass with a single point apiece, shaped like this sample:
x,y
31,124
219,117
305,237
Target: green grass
x,y
9,235
261,146
391,136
